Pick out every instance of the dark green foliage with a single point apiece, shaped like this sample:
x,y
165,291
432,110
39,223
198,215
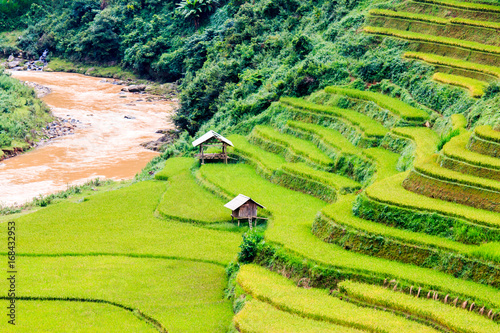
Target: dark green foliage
x,y
5,140
249,246
240,57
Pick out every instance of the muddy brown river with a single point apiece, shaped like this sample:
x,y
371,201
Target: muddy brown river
x,y
105,144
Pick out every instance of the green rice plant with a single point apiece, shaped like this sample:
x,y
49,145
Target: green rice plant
x,y
184,296
297,176
185,200
341,183
464,5
330,137
293,213
385,161
338,225
391,192
394,105
425,139
415,36
452,62
260,317
67,316
444,139
476,87
175,166
370,127
409,16
129,213
454,319
342,214
458,121
488,251
433,170
433,19
476,23
303,148
269,160
457,149
486,132
317,304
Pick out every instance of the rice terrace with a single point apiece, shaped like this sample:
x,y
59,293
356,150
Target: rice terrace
x,y
316,166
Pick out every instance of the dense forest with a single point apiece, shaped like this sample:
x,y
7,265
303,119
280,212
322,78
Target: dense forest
x,y
233,59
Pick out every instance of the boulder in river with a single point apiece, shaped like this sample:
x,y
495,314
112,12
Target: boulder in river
x,y
135,88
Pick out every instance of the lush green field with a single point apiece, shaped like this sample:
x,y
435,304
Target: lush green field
x,y
260,317
74,317
394,105
367,125
184,296
291,226
476,87
184,199
313,303
452,318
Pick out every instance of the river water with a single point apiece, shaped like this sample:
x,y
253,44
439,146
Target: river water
x,y
105,144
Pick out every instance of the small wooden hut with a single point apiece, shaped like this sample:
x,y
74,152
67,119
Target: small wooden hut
x,y
212,139
243,207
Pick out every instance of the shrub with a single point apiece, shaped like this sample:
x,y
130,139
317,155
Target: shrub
x,y
5,140
249,246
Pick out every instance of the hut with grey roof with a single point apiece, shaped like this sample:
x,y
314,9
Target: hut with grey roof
x,y
244,207
211,139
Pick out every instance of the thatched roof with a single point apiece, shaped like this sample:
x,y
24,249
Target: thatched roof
x,y
209,135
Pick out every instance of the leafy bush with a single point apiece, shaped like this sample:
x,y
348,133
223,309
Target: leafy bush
x,y
195,9
5,140
249,246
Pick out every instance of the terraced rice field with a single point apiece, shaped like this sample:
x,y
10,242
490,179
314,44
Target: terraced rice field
x,y
352,243
463,35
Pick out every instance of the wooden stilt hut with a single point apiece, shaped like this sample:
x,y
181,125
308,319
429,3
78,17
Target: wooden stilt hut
x,y
244,207
211,139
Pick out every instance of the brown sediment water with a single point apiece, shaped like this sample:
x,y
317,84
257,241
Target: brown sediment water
x,y
105,144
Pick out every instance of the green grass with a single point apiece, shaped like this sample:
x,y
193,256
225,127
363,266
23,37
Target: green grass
x,y
116,72
464,5
313,303
328,136
391,192
457,149
185,199
367,125
341,213
260,317
184,296
486,132
338,182
454,319
452,62
393,105
415,36
293,214
73,317
475,87
303,148
121,222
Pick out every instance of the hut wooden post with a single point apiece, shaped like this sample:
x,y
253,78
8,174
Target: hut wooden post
x,y
250,223
224,146
201,152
